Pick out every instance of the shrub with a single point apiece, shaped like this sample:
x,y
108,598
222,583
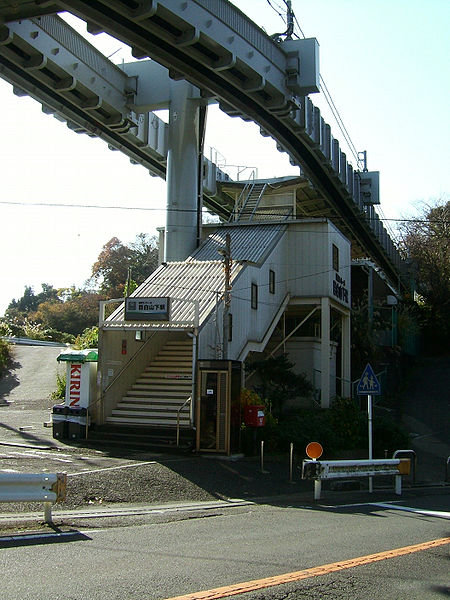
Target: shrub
x,y
87,339
60,392
5,355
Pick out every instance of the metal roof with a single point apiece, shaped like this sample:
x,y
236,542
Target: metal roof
x,y
250,243
186,283
199,280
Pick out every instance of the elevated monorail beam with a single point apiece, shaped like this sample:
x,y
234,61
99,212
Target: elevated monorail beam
x,y
47,60
217,48
228,57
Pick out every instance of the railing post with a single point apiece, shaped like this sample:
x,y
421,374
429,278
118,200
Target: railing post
x,y
48,512
291,460
317,489
413,461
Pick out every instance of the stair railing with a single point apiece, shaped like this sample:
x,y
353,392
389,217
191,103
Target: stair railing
x,y
185,403
258,200
243,197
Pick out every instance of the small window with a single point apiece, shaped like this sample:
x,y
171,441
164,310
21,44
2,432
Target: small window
x,y
272,281
335,258
230,327
254,300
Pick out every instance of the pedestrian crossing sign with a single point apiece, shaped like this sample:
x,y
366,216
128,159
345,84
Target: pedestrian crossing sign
x,y
368,384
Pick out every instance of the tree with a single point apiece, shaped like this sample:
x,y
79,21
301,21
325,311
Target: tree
x,y
114,261
426,242
277,382
19,309
78,312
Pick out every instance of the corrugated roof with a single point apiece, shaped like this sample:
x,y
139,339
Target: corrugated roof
x,y
200,277
185,283
248,242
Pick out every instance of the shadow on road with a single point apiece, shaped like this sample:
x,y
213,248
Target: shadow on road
x,y
8,382
29,437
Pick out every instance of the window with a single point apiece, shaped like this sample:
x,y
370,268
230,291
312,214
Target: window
x,y
335,258
254,299
272,281
230,327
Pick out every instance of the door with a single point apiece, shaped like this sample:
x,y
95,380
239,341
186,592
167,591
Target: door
x,y
212,409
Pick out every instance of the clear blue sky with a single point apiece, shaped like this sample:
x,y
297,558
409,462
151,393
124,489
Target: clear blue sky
x,y
386,64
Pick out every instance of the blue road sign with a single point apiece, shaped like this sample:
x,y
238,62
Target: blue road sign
x,y
368,384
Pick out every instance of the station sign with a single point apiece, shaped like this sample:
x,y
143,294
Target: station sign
x,y
147,309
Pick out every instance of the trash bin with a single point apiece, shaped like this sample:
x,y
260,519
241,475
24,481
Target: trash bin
x,y
59,420
77,422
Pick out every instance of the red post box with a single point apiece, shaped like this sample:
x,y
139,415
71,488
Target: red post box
x,y
254,416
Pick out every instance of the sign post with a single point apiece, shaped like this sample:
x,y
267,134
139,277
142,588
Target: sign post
x,y
369,386
314,451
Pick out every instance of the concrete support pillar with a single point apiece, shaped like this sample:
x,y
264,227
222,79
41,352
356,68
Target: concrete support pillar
x,y
325,353
182,171
345,357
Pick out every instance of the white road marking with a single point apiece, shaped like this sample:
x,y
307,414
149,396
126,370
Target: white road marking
x,y
152,462
420,511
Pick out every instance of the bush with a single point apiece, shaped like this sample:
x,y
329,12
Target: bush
x,y
87,339
343,427
60,392
5,355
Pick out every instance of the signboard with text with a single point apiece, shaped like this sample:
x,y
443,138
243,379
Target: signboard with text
x,y
147,309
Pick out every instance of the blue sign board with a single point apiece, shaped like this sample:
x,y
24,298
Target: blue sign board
x,y
368,384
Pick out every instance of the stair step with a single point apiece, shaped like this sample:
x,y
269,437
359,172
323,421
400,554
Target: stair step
x,y
124,406
176,402
141,421
171,395
150,413
161,380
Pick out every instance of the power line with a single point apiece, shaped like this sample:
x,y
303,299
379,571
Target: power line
x,y
193,210
333,107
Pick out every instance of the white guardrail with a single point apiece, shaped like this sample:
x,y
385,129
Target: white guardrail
x,y
34,487
319,470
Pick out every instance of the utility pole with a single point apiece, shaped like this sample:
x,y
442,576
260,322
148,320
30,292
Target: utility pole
x,y
226,253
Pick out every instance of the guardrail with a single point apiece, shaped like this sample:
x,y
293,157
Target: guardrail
x,y
412,455
30,342
34,487
338,469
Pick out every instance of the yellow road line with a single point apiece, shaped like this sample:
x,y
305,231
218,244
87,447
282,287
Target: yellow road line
x,y
258,584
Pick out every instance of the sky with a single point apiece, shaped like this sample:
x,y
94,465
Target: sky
x,y
385,64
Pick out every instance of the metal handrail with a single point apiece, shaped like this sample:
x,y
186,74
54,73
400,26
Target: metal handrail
x,y
240,202
185,403
413,461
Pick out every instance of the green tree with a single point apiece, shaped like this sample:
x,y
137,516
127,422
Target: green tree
x,y
29,302
426,242
277,382
78,312
111,270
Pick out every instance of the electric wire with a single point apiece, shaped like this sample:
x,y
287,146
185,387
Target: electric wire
x,y
192,210
333,107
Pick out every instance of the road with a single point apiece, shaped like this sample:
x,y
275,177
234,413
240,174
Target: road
x,y
166,557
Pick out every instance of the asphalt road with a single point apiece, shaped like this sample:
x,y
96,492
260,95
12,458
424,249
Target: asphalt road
x,y
159,560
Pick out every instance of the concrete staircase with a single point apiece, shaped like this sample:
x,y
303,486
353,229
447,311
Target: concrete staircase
x,y
160,391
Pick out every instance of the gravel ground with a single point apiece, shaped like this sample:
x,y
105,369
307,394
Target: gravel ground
x,y
107,476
